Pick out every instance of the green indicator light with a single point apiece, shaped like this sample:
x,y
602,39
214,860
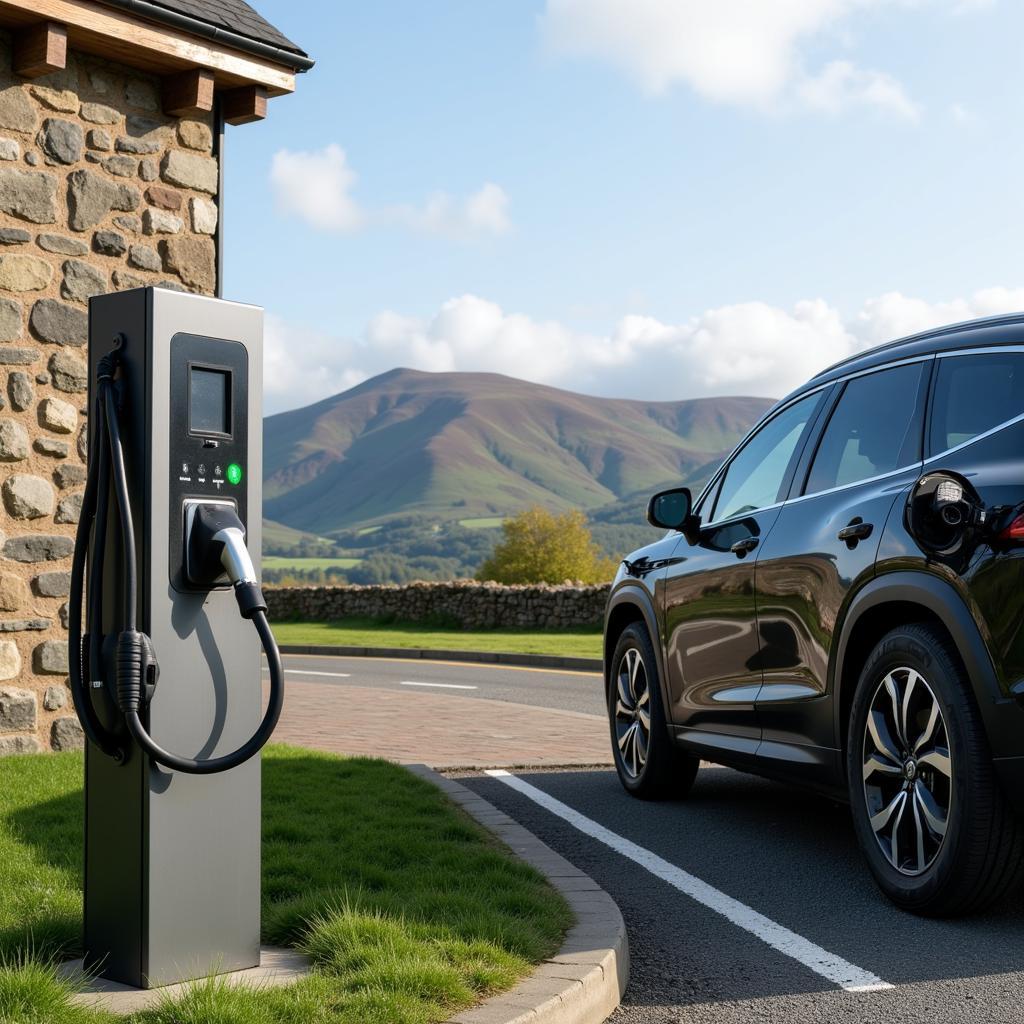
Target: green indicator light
x,y
234,473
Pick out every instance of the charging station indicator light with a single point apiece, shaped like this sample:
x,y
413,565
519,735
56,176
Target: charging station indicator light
x,y
234,473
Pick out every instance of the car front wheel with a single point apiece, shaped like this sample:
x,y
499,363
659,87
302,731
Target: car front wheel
x,y
931,819
648,762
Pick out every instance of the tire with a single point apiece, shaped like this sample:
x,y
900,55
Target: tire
x,y
649,764
919,769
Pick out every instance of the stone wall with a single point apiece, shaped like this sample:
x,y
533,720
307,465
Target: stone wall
x,y
469,604
99,191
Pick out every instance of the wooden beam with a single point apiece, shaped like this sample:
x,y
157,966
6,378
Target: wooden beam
x,y
118,35
245,105
188,93
40,49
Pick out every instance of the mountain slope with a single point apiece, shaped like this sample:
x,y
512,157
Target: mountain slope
x,y
459,445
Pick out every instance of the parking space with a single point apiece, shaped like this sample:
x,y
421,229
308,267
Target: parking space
x,y
750,901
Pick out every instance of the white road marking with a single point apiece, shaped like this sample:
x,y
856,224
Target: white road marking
x,y
310,672
842,973
442,686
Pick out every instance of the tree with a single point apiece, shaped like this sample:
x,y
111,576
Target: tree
x,y
541,547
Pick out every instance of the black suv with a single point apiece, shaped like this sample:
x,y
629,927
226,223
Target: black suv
x,y
843,607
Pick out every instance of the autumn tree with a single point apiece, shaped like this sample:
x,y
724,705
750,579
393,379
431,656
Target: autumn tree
x,y
541,547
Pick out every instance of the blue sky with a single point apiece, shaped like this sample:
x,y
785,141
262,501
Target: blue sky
x,y
639,198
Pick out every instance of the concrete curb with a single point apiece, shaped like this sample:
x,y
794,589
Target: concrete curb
x,y
584,982
483,657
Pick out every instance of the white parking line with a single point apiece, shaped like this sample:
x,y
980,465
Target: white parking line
x,y
442,686
821,961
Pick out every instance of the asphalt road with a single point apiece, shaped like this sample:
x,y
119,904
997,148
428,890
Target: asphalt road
x,y
568,691
791,860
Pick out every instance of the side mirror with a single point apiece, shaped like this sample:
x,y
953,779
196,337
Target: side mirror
x,y
671,510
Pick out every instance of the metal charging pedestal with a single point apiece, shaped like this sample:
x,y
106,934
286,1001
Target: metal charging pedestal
x,y
172,861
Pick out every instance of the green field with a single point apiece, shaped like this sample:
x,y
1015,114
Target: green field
x,y
296,563
409,910
578,643
485,523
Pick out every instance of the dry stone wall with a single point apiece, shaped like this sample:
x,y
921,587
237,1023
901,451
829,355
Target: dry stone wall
x,y
99,191
470,604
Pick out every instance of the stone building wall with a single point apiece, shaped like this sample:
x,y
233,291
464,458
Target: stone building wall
x,y
467,603
99,191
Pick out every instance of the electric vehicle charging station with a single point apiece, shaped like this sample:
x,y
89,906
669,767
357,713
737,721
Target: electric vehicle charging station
x,y
166,678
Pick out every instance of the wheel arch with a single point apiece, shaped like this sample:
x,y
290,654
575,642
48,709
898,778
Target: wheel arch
x,y
896,599
632,603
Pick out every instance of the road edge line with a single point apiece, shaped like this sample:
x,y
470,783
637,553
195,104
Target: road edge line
x,y
584,982
473,657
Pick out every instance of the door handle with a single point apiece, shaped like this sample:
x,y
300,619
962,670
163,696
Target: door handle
x,y
856,530
741,547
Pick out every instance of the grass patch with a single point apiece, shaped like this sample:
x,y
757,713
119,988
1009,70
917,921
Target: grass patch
x,y
297,563
573,643
409,910
483,523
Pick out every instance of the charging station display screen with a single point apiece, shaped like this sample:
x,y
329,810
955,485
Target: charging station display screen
x,y
209,401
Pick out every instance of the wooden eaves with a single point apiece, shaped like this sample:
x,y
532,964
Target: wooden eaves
x,y
193,65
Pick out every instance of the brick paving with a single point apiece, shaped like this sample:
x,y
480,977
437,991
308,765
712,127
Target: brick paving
x,y
440,730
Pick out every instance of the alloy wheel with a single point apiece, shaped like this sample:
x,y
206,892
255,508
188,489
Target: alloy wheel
x,y
907,771
632,712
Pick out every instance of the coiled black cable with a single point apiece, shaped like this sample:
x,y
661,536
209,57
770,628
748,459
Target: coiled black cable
x,y
134,648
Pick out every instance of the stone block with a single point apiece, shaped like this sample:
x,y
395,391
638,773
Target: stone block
x,y
47,584
190,170
55,698
144,257
99,138
109,243
165,198
10,319
69,475
195,135
51,446
63,142
62,244
17,707
51,657
10,355
16,110
160,222
121,166
27,496
28,195
38,547
192,259
69,509
13,441
20,273
97,113
57,415
9,150
66,734
69,372
91,197
14,591
20,390
14,236
63,100
59,323
204,215
82,281
18,745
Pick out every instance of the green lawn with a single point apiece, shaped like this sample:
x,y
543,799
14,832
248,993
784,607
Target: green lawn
x,y
483,523
576,643
296,563
409,910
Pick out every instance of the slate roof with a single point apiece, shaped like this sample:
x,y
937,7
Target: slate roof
x,y
234,16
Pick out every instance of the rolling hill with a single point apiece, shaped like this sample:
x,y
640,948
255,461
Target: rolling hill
x,y
458,446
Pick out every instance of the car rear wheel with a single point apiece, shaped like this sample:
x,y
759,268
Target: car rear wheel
x,y
931,819
649,764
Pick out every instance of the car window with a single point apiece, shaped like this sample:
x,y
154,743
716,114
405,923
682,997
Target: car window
x,y
755,476
974,394
874,428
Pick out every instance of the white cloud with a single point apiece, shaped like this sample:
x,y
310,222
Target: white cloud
x,y
749,348
317,188
484,212
841,85
740,52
